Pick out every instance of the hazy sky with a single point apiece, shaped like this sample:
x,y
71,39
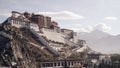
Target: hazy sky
x,y
79,15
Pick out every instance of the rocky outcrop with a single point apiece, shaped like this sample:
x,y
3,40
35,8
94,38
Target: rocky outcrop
x,y
19,49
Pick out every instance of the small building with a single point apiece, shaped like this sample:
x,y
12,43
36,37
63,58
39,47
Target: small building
x,y
54,26
81,42
94,56
70,35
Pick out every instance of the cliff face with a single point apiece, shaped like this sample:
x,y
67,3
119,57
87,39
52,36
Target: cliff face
x,y
19,49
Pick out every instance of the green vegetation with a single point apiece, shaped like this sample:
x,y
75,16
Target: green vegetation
x,y
114,62
78,55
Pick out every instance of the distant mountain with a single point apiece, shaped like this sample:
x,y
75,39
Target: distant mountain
x,y
101,41
96,34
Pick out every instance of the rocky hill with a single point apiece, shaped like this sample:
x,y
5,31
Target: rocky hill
x,y
24,44
19,48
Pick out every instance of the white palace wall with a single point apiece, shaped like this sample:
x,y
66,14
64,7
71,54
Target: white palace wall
x,y
53,35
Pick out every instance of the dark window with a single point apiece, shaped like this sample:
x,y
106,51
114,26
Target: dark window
x,y
43,64
68,63
58,64
51,64
54,64
62,64
72,63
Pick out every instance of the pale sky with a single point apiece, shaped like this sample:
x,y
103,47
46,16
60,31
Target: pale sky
x,y
79,15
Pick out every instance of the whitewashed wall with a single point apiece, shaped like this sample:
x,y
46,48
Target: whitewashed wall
x,y
18,24
34,26
53,35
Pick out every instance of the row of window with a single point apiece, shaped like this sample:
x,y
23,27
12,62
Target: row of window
x,y
54,64
22,23
18,22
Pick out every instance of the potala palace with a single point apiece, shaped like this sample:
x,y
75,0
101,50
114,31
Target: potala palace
x,y
34,40
43,25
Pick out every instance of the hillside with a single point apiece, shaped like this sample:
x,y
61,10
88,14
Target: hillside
x,y
19,48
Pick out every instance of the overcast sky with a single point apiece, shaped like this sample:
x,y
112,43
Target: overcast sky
x,y
79,15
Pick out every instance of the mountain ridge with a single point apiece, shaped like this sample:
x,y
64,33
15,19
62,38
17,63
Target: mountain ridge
x,y
101,41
